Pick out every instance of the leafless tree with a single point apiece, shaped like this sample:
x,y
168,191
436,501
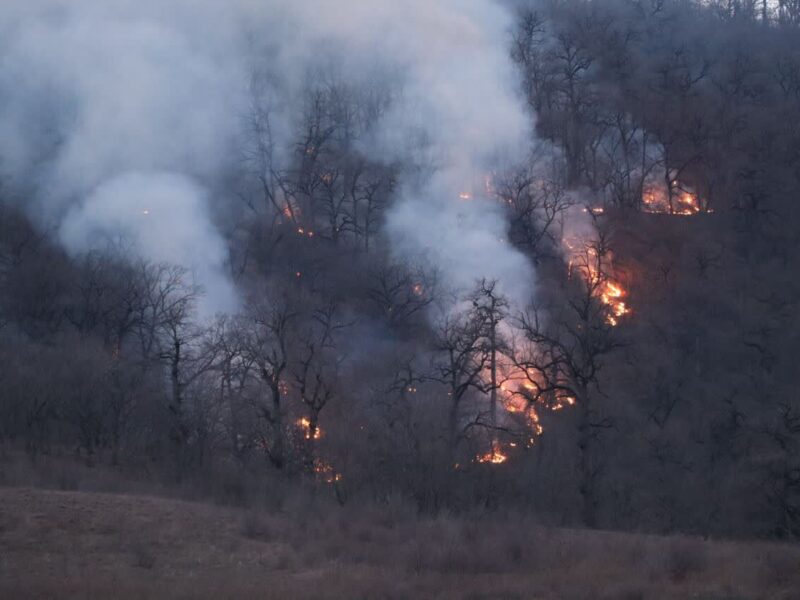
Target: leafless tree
x,y
266,331
316,372
568,345
536,205
459,365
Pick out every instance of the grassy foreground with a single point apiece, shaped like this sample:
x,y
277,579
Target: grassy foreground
x,y
56,544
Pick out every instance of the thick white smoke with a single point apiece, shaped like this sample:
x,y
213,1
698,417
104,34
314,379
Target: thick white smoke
x,y
110,109
459,89
162,216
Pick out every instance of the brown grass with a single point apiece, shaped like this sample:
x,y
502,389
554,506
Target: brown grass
x,y
65,544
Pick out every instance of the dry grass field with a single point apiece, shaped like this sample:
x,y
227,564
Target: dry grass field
x,y
57,544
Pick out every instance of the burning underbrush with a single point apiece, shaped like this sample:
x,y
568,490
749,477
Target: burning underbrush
x,y
674,198
517,396
525,393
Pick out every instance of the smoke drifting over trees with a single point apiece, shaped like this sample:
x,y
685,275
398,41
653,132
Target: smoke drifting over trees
x,y
124,109
468,254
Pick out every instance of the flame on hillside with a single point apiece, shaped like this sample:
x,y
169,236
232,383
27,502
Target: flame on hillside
x,y
305,232
495,456
523,394
310,432
585,259
682,201
326,472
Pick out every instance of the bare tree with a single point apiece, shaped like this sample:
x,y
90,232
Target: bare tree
x,y
266,330
536,205
459,365
400,293
490,309
316,372
568,345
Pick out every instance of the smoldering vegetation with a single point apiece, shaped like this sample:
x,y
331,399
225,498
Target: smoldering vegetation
x,y
525,257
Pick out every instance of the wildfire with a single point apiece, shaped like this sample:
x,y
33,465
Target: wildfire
x,y
304,232
146,212
612,295
516,391
305,425
609,291
418,289
519,394
465,196
594,210
684,202
494,457
562,402
326,472
290,211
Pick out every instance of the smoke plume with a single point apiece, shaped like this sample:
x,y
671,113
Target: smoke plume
x,y
122,119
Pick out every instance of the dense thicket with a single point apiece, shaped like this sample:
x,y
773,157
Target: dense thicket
x,y
349,366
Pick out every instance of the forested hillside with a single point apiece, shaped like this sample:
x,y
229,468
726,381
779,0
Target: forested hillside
x,y
536,257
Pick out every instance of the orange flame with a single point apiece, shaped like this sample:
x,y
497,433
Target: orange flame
x,y
494,457
609,291
656,200
305,426
326,472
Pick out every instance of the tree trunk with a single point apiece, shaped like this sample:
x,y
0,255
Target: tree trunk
x,y
493,368
452,427
177,432
277,452
310,440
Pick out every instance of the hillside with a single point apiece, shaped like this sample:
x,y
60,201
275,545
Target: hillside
x,y
417,299
91,545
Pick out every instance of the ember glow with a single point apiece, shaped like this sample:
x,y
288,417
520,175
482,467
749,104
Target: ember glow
x,y
309,432
683,201
521,396
290,211
584,258
495,456
326,472
612,295
305,232
562,402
